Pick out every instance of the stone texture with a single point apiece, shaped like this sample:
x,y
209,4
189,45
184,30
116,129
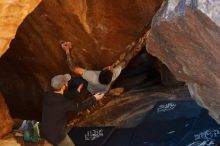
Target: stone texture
x,y
185,36
129,109
11,141
12,13
5,118
99,30
167,77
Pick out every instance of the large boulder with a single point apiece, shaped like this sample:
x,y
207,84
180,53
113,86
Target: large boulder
x,y
185,36
99,30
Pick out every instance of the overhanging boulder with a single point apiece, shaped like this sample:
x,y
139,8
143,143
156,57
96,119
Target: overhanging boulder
x,y
185,36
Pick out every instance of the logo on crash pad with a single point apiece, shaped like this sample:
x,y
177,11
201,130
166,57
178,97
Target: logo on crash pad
x,y
94,134
166,107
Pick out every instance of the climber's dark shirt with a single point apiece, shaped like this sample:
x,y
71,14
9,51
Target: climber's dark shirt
x,y
54,115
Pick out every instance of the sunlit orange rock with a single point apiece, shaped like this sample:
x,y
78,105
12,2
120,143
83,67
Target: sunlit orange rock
x,y
6,121
12,14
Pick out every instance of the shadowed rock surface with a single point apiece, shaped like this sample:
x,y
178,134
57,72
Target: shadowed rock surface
x,y
128,109
185,36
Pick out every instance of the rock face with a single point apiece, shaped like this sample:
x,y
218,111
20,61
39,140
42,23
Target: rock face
x,y
12,13
5,118
129,109
185,36
11,141
99,31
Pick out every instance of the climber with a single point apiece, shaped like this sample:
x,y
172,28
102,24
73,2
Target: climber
x,y
55,107
100,81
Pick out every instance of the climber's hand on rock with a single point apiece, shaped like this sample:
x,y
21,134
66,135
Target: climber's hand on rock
x,y
98,96
66,46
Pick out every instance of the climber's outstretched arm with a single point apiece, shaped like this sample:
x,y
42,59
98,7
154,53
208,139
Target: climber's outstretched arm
x,y
66,46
